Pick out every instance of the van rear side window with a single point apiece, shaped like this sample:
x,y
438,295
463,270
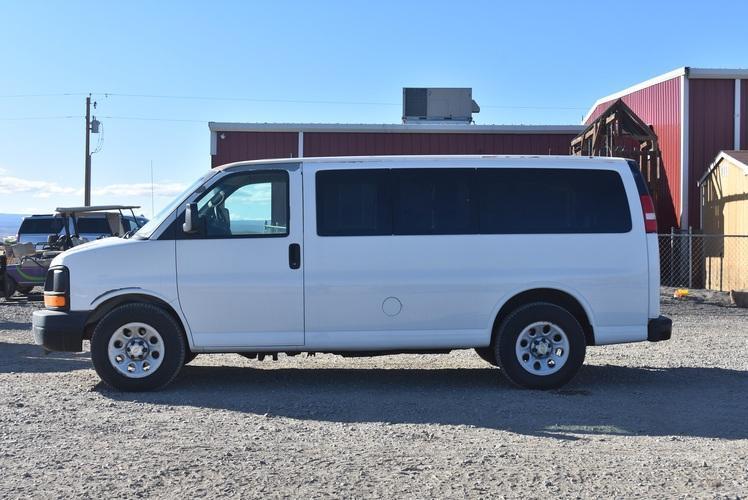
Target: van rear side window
x,y
470,201
552,201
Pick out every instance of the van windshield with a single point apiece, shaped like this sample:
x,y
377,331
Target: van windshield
x,y
150,227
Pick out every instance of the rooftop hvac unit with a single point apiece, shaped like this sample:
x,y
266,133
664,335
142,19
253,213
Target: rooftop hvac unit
x,y
438,104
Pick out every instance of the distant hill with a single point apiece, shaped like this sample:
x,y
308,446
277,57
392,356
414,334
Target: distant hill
x,y
9,224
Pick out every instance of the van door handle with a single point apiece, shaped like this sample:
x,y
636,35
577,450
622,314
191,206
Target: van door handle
x,y
294,256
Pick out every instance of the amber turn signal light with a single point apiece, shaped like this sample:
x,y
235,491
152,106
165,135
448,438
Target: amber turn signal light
x,y
56,301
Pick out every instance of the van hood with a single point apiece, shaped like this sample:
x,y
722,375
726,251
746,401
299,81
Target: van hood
x,y
97,247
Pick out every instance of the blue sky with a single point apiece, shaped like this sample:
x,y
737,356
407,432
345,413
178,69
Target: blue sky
x,y
528,62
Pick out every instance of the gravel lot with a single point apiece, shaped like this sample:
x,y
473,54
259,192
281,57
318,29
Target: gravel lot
x,y
667,419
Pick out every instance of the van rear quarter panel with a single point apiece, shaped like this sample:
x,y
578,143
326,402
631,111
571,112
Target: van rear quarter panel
x,y
452,286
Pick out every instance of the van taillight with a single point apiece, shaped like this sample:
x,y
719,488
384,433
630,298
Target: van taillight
x,y
648,209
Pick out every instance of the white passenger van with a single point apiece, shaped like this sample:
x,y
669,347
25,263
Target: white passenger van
x,y
527,260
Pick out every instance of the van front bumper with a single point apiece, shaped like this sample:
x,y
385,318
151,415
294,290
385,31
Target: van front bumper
x,y
59,330
659,329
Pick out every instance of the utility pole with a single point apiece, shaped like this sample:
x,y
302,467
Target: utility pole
x,y
87,182
153,210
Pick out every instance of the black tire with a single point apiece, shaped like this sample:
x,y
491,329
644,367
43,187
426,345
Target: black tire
x,y
487,354
189,356
24,289
507,335
9,287
171,334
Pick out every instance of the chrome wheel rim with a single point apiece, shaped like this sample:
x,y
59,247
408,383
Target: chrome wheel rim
x,y
136,350
542,348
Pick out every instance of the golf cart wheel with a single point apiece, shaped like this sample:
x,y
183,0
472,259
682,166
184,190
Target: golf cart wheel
x,y
9,287
138,347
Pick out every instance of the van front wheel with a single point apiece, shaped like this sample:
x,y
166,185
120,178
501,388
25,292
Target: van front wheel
x,y
540,346
487,354
137,347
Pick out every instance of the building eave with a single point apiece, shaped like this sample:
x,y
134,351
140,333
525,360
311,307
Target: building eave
x,y
690,73
718,73
723,155
639,86
422,128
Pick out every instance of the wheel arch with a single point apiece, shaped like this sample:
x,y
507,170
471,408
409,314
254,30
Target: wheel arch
x,y
111,303
551,295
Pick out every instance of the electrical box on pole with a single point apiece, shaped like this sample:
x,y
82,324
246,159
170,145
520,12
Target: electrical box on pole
x,y
87,181
92,127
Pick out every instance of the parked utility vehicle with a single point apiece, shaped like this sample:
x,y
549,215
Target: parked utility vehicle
x,y
42,237
528,260
87,223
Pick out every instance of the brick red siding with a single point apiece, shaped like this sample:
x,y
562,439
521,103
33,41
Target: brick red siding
x,y
659,106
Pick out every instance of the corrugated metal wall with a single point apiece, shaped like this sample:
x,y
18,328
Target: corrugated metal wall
x,y
362,144
711,120
241,146
744,114
659,106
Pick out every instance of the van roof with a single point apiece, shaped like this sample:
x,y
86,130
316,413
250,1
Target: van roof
x,y
417,158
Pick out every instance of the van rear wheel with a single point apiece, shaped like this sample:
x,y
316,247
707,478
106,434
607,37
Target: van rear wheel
x,y
137,347
540,346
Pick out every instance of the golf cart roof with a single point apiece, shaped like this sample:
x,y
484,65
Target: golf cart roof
x,y
96,208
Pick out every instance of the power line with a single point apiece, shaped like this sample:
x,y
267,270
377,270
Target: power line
x,y
532,107
15,118
305,101
153,119
280,101
21,96
247,99
140,118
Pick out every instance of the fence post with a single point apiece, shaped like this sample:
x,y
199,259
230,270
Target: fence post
x,y
672,260
690,257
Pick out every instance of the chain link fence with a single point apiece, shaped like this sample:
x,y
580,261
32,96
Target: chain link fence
x,y
711,261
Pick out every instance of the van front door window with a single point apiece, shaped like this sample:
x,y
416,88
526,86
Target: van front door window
x,y
253,204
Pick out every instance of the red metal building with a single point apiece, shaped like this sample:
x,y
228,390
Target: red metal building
x,y
696,113
232,142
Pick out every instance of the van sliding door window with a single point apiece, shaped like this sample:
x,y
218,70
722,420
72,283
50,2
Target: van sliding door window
x,y
353,203
434,201
552,201
252,204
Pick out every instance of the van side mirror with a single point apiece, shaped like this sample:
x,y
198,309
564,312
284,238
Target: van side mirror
x,y
190,218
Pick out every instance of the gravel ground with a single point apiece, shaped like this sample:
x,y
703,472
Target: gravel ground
x,y
666,420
